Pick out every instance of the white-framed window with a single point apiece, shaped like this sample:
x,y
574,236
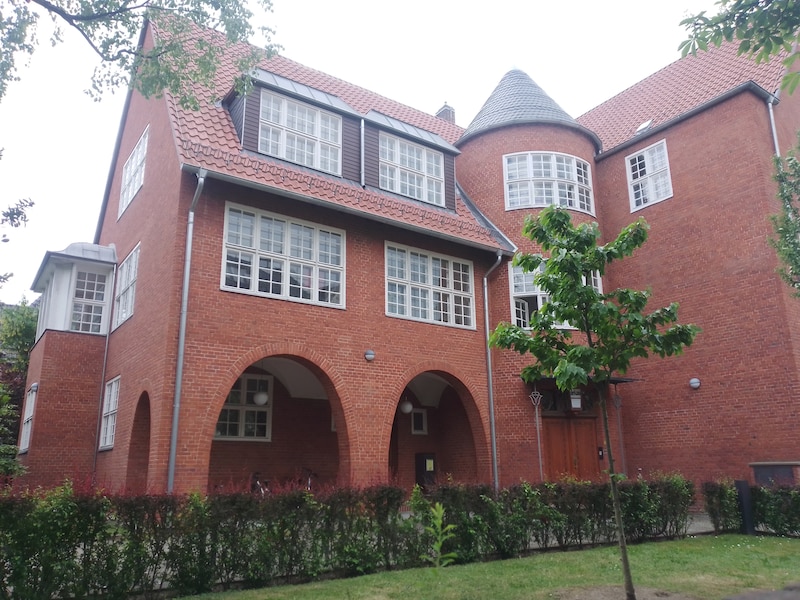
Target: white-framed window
x,y
545,179
126,287
527,297
428,287
133,172
270,255
108,426
411,170
649,179
419,421
244,417
300,133
89,301
27,419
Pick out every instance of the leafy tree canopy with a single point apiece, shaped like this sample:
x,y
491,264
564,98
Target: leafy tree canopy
x,y
615,326
764,28
177,61
786,224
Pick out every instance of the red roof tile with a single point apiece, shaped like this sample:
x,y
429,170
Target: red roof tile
x,y
206,139
676,89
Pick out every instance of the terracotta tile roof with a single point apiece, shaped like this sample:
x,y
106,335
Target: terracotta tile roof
x,y
676,89
206,139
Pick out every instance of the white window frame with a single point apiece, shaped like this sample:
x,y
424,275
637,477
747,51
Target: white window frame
x,y
125,295
133,172
89,301
300,133
429,287
422,413
27,419
419,175
108,424
298,260
240,406
649,176
524,291
538,179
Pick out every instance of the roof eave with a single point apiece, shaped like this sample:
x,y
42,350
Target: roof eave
x,y
189,168
598,145
747,86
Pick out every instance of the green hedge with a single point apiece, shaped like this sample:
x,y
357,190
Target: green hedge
x,y
66,544
776,509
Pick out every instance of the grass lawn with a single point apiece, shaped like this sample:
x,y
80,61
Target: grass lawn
x,y
707,567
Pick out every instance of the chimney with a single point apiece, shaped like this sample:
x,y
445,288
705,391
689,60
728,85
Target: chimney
x,y
447,113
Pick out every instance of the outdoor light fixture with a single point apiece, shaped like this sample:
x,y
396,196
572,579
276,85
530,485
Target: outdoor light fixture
x,y
260,398
35,387
406,407
694,383
369,355
575,400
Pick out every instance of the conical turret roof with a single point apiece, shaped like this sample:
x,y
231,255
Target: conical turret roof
x,y
517,100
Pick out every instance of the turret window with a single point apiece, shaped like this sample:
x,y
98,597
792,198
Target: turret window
x,y
547,179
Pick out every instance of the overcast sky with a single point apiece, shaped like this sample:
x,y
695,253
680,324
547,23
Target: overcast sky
x,y
58,143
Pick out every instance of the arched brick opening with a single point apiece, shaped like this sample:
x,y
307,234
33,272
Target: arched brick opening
x,y
139,449
437,433
303,437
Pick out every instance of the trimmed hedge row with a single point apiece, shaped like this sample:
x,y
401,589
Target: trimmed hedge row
x,y
775,509
66,544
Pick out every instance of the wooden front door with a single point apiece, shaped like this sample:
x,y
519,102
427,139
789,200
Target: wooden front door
x,y
570,447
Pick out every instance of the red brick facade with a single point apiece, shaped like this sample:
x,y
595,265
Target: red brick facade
x,y
338,415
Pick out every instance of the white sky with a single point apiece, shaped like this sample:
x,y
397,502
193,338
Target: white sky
x,y
58,143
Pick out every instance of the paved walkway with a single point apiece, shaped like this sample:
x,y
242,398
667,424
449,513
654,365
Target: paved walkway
x,y
700,523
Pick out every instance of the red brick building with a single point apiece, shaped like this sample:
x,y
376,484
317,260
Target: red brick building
x,y
302,280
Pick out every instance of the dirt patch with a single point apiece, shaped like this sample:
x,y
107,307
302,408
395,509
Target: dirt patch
x,y
617,592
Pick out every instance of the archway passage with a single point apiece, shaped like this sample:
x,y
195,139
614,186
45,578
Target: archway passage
x,y
139,451
277,426
434,433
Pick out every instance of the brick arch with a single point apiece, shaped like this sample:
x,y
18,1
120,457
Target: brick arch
x,y
467,390
139,446
331,380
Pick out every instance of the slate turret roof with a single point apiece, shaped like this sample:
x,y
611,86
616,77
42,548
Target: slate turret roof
x,y
518,100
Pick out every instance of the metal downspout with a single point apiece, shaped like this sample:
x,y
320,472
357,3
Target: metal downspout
x,y
187,263
490,379
770,104
102,387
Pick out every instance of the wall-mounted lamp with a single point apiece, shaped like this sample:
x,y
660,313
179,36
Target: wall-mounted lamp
x,y
260,398
694,383
406,407
369,355
575,400
34,387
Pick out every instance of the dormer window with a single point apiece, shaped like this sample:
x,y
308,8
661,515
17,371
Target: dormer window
x,y
300,133
411,170
547,179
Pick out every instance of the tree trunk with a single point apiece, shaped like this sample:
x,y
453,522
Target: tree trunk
x,y
630,594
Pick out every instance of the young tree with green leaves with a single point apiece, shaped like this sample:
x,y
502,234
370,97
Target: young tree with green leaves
x,y
614,327
177,61
787,223
764,28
